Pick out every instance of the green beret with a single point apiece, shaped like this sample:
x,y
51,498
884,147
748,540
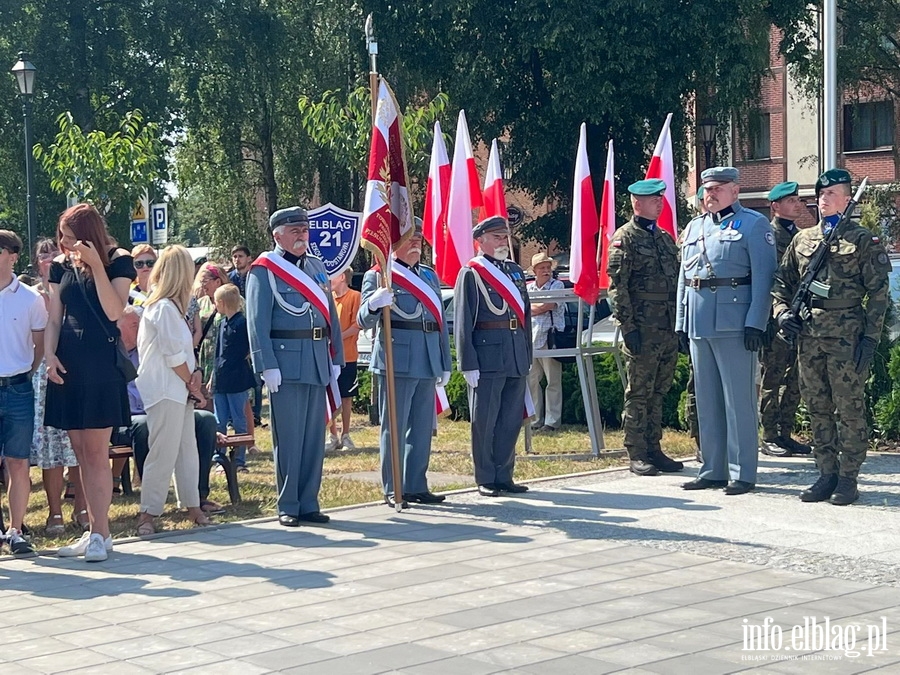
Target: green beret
x,y
720,174
650,187
490,224
832,177
701,192
293,215
783,190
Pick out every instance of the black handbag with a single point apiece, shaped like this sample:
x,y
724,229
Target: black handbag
x,y
123,363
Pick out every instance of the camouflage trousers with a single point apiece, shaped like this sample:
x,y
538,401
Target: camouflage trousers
x,y
780,389
650,376
835,396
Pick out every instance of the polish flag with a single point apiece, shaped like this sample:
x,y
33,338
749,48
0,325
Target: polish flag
x,y
494,196
663,166
585,228
437,192
465,197
607,214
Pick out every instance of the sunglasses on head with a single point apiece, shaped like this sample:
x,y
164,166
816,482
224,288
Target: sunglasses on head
x,y
140,264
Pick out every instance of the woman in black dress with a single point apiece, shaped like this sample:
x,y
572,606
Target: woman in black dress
x,y
86,392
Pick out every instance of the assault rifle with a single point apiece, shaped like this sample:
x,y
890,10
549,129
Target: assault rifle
x,y
801,304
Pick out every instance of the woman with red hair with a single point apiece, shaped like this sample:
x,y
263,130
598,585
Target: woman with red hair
x,y
86,392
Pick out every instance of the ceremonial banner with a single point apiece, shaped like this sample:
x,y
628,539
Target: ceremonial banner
x,y
663,166
585,229
437,194
387,214
334,237
465,197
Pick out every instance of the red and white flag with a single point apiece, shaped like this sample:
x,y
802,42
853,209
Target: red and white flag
x,y
387,214
607,214
465,197
494,195
437,193
663,166
585,228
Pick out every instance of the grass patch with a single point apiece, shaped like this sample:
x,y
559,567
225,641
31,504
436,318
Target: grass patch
x,y
451,454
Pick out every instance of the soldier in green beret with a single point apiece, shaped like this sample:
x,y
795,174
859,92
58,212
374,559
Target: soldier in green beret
x,y
780,389
837,342
642,268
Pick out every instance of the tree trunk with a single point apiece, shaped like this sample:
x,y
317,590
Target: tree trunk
x,y
80,103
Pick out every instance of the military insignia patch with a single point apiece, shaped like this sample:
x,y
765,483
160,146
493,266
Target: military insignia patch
x,y
883,258
770,239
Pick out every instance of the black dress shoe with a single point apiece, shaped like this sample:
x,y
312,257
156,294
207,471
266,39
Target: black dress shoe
x,y
775,447
314,517
704,484
739,487
642,467
389,500
488,490
288,521
424,498
515,488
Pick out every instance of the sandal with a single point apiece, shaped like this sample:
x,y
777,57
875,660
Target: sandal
x,y
55,525
146,527
82,520
117,485
202,522
211,507
253,450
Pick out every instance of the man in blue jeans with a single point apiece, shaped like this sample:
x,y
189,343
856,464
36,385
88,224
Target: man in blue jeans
x,y
23,317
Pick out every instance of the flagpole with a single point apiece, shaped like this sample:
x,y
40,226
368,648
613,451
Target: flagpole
x,y
390,393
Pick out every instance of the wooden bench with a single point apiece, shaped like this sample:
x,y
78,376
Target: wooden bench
x,y
123,452
226,461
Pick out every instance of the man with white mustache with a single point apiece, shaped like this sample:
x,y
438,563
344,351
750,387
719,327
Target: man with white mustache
x,y
421,347
492,326
295,343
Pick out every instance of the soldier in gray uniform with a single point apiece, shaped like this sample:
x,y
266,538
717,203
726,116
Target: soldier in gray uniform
x,y
421,347
494,353
780,388
727,263
643,273
289,343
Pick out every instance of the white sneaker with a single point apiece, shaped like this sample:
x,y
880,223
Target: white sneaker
x,y
98,548
347,443
332,444
80,547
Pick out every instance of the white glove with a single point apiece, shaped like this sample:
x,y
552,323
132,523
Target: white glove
x,y
335,371
444,379
272,378
381,298
472,377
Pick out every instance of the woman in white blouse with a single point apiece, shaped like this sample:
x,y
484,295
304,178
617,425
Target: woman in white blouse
x,y
166,350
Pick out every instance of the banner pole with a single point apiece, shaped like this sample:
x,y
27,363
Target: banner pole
x,y
390,386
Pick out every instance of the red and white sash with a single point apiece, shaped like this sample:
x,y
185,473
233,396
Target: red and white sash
x,y
304,284
501,283
411,282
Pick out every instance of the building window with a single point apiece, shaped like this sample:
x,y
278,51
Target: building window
x,y
760,144
868,126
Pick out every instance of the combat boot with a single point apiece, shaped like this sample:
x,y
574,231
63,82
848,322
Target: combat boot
x,y
795,447
821,490
775,446
845,492
642,467
663,462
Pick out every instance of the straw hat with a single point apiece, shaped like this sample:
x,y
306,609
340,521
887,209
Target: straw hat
x,y
539,258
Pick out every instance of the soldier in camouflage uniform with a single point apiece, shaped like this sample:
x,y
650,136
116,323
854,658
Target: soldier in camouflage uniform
x,y
837,343
780,389
642,268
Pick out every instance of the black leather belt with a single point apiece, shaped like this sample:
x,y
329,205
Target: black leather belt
x,y
823,303
509,324
426,326
655,297
21,378
305,334
717,282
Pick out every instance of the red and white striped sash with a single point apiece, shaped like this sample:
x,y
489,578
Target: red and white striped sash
x,y
501,283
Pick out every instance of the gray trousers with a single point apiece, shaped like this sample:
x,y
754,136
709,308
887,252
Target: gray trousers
x,y
298,427
725,382
415,421
497,407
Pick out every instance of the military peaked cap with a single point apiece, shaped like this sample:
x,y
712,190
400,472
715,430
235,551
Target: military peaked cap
x,y
293,215
489,225
720,174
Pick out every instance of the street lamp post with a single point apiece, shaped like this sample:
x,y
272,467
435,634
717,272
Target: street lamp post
x,y
24,71
708,136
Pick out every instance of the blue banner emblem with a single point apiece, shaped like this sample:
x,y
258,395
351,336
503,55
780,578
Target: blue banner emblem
x,y
334,236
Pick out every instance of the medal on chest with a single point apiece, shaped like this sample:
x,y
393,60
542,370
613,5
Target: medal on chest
x,y
730,231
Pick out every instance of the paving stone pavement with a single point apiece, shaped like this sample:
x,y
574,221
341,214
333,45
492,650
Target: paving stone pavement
x,y
600,573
